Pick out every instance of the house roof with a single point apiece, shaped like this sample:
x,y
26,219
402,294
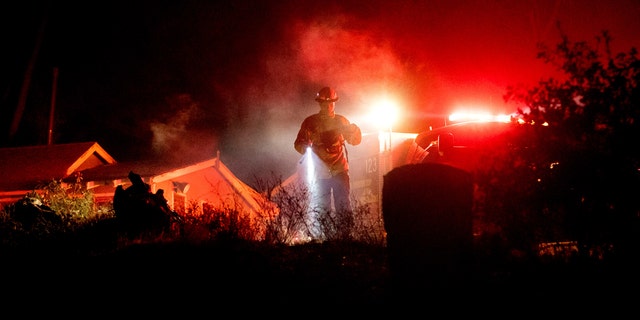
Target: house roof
x,y
158,171
24,168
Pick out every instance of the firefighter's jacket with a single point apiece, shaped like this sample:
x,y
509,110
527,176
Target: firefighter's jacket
x,y
326,136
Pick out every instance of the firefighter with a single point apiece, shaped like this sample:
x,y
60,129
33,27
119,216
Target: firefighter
x,y
325,134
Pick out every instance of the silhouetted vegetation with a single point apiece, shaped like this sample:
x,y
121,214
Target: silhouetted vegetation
x,y
580,180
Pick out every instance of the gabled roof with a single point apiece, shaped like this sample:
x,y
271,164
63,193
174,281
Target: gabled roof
x,y
24,168
158,171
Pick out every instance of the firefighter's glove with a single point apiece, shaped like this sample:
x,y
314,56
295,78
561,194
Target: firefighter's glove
x,y
352,133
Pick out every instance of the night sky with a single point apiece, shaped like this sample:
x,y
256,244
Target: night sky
x,y
184,79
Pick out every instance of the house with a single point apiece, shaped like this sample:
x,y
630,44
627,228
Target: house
x,y
206,181
24,169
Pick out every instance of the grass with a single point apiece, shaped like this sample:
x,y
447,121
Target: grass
x,y
221,272
211,266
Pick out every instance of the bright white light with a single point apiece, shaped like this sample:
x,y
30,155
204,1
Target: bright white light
x,y
503,117
384,114
469,116
310,167
478,116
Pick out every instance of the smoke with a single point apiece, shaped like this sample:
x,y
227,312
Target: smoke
x,y
248,70
429,57
318,53
174,137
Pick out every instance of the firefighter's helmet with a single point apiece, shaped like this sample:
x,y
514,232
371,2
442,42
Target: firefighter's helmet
x,y
327,94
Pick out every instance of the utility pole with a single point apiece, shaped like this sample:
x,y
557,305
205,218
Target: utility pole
x,y
54,89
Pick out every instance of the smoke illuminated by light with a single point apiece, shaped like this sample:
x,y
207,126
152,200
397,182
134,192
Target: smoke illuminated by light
x,y
266,86
310,167
254,70
311,164
170,133
294,73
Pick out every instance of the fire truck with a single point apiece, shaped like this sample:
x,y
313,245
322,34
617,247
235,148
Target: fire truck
x,y
461,144
375,156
